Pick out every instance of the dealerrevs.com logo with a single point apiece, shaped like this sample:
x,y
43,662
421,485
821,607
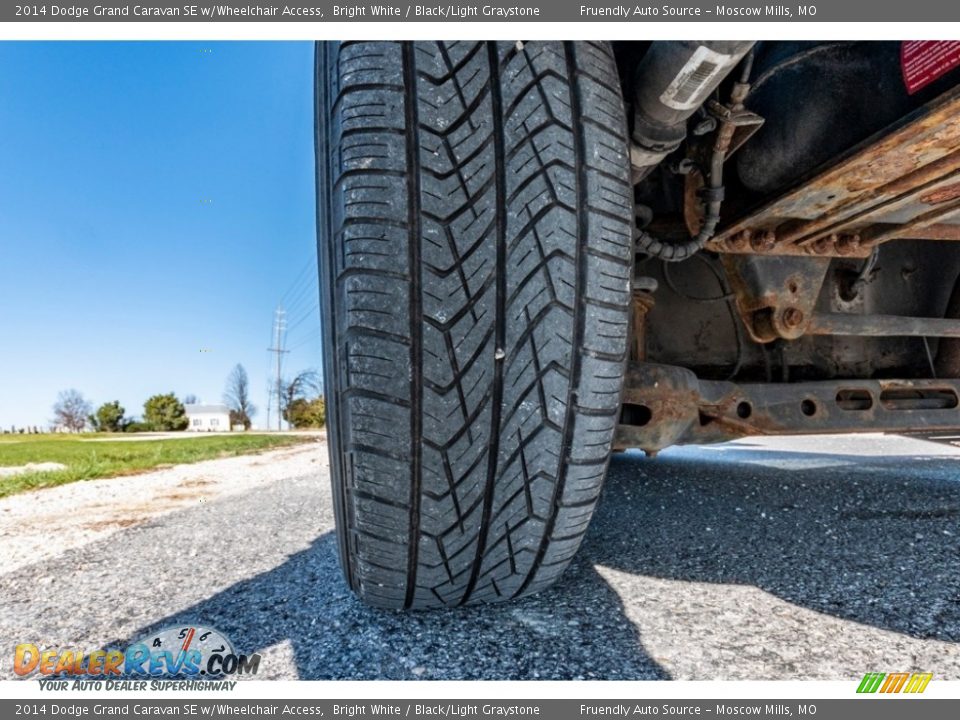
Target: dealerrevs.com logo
x,y
902,682
192,652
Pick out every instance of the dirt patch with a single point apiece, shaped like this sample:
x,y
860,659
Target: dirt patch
x,y
198,482
31,467
115,523
179,496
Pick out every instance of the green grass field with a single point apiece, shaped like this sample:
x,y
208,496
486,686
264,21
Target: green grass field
x,y
98,456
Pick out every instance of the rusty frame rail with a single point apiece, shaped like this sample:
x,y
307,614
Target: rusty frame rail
x,y
882,326
903,184
667,405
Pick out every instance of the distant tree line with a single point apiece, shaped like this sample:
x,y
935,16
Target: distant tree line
x,y
74,413
28,430
302,406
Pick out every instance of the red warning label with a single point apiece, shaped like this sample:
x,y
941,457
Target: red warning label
x,y
924,61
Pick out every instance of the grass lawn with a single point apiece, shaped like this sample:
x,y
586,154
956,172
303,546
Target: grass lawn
x,y
99,455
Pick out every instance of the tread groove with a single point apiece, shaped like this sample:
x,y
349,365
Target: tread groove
x,y
499,332
416,352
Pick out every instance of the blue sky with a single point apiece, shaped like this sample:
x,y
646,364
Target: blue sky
x,y
156,204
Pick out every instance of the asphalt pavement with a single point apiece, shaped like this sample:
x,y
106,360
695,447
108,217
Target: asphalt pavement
x,y
805,558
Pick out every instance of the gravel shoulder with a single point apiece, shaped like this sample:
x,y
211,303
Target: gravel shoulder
x,y
790,559
45,523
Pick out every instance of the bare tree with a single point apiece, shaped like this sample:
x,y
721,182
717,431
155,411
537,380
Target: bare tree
x,y
71,410
237,397
190,399
305,385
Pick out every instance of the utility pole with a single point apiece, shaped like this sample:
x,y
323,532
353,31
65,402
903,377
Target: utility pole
x,y
279,326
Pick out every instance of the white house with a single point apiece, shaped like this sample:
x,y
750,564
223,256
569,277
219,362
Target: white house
x,y
208,418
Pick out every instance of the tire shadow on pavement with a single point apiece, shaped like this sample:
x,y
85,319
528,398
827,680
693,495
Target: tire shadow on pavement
x,y
578,632
870,539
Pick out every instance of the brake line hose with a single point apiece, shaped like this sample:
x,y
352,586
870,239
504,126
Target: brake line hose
x,y
712,194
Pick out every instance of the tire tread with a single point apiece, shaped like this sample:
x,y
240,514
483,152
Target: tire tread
x,y
476,316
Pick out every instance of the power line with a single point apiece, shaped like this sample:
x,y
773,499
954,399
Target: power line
x,y
315,338
302,290
303,286
309,295
299,277
311,313
279,327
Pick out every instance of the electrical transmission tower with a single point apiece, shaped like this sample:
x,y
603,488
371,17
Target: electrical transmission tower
x,y
279,328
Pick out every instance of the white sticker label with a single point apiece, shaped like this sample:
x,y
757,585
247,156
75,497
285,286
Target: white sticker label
x,y
685,92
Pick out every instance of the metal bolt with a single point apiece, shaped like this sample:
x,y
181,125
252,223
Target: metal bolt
x,y
822,246
792,318
764,242
848,244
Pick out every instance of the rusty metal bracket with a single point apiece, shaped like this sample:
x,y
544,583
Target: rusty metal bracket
x,y
741,124
659,406
775,295
643,302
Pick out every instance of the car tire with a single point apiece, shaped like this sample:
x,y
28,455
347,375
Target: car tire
x,y
475,219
